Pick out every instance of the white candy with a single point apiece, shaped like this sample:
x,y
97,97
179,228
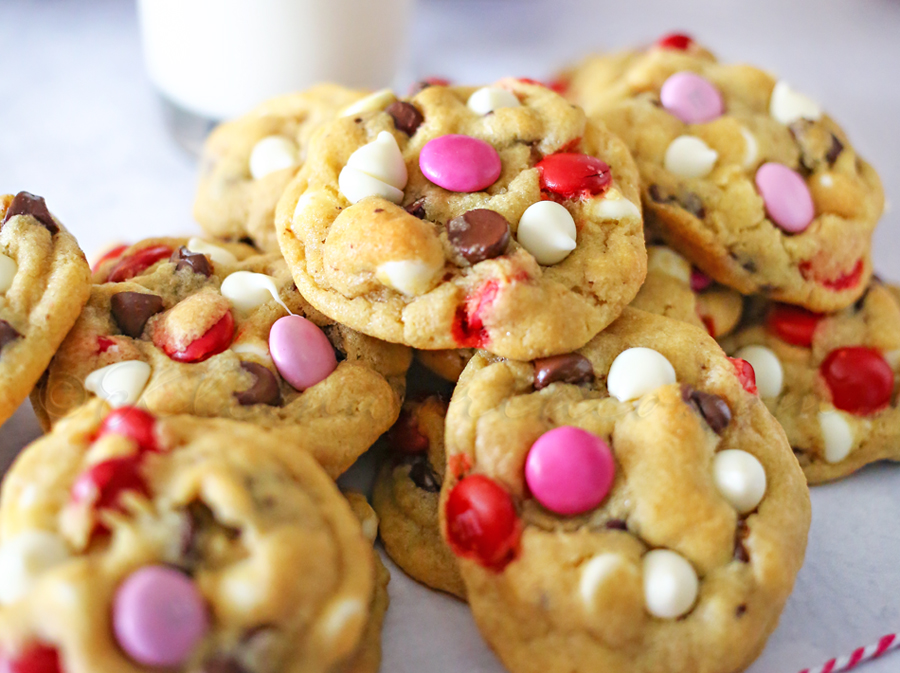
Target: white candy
x,y
273,153
787,105
24,558
836,434
120,384
766,366
614,206
752,150
670,584
740,478
490,98
547,231
374,101
411,277
247,290
669,262
8,269
214,252
382,160
594,573
690,157
638,371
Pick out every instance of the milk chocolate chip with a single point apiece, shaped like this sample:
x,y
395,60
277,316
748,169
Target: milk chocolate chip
x,y
132,310
479,234
711,407
406,117
195,261
28,204
264,390
568,368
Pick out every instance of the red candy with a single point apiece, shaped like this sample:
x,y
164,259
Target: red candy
x,y
699,280
405,436
143,259
793,324
103,484
216,339
468,326
843,282
481,522
36,659
133,423
860,380
571,175
745,374
104,344
106,256
678,41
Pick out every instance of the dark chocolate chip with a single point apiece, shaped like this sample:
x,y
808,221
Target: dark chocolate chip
x,y
616,524
657,195
246,240
741,610
535,154
417,208
740,550
24,203
264,390
8,334
711,407
132,310
200,523
422,474
567,368
223,663
479,234
749,266
692,203
195,261
407,117
835,150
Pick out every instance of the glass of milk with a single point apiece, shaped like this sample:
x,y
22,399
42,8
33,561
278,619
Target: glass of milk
x,y
216,59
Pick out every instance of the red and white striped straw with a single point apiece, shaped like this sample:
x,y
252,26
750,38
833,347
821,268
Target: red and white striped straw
x,y
859,656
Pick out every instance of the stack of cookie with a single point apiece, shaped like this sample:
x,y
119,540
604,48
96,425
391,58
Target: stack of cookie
x,y
579,458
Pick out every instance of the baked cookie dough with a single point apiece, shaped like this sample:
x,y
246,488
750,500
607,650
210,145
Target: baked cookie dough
x,y
744,175
132,544
630,507
247,162
218,330
44,283
830,380
496,218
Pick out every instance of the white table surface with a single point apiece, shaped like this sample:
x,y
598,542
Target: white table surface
x,y
79,124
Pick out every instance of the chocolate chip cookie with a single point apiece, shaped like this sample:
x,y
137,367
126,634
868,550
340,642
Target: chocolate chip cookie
x,y
44,283
218,330
629,507
743,174
135,544
496,218
830,380
247,162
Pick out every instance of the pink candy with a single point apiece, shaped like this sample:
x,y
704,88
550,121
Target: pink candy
x,y
159,616
569,470
301,351
460,163
691,98
786,196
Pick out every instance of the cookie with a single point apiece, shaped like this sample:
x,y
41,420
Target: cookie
x,y
247,162
830,380
496,218
627,507
133,544
44,283
181,326
406,496
745,176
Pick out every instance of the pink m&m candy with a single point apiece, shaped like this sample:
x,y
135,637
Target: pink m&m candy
x,y
569,470
159,616
460,163
691,98
786,197
302,353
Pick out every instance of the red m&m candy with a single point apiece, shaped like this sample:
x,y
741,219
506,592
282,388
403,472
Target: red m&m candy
x,y
481,522
216,339
140,261
103,484
133,423
859,378
35,659
571,175
677,41
745,374
405,435
793,324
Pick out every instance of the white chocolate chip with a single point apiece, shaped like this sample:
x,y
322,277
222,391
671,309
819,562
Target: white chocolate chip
x,y
411,277
547,231
826,180
8,269
247,290
341,614
787,105
837,435
214,252
670,584
766,366
667,261
258,349
24,558
382,160
356,185
120,384
370,528
271,154
490,98
594,573
614,206
690,157
638,371
371,103
740,478
751,152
